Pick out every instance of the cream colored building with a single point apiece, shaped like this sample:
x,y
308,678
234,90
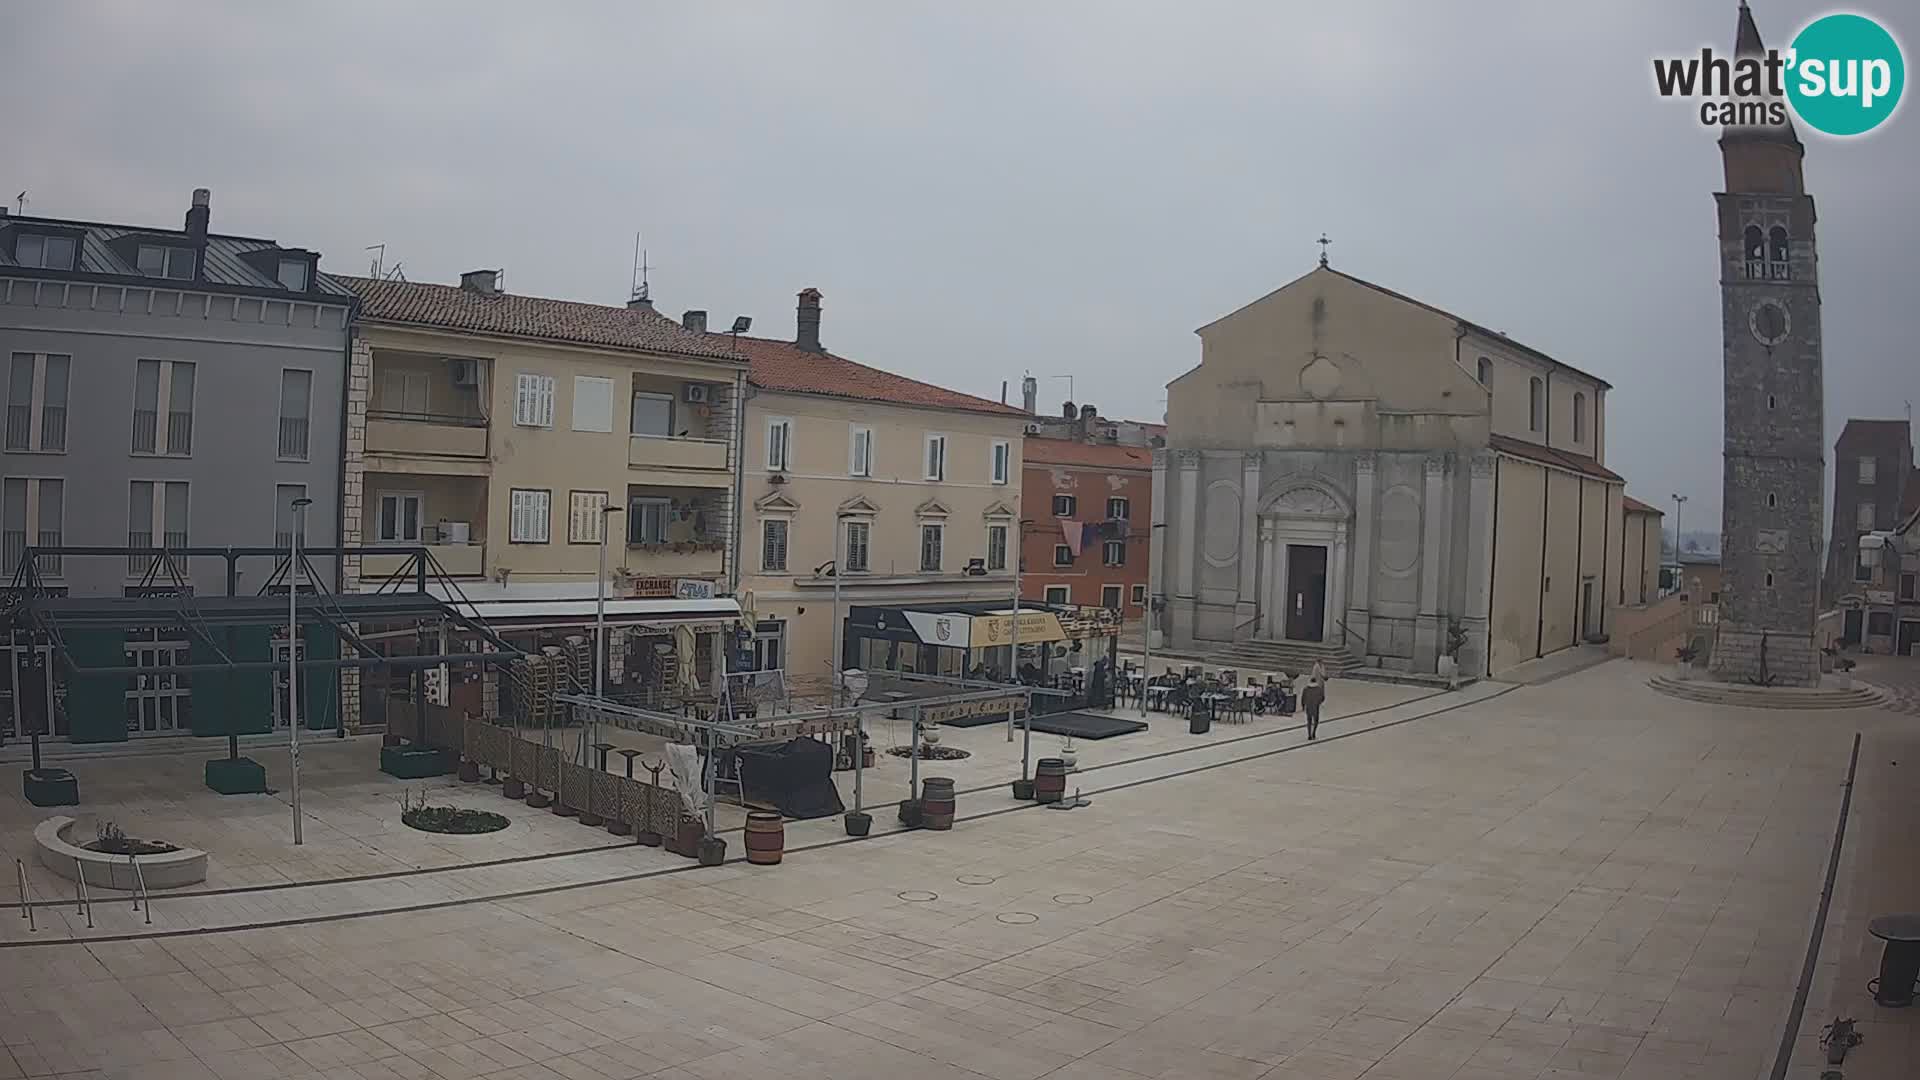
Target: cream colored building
x,y
1351,474
923,484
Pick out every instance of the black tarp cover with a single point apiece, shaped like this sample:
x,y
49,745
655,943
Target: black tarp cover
x,y
794,777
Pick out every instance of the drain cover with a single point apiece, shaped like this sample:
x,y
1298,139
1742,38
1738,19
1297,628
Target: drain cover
x,y
918,896
976,879
1073,898
1017,918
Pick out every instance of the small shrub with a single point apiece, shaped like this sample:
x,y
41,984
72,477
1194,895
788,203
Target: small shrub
x,y
416,813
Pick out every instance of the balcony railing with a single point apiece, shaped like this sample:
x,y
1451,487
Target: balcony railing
x,y
48,565
138,565
433,434
145,424
53,427
664,452
179,433
293,437
19,427
13,545
1768,270
456,560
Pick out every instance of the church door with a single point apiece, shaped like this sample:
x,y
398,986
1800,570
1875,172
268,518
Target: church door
x,y
1306,592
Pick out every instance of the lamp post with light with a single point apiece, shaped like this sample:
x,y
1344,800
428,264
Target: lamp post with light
x,y
293,658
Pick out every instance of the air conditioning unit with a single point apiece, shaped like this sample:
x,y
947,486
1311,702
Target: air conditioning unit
x,y
1033,429
465,372
696,393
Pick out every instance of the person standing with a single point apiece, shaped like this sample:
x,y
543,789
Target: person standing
x,y
1313,697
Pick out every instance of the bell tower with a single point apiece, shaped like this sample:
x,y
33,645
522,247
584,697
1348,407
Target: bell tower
x,y
1774,470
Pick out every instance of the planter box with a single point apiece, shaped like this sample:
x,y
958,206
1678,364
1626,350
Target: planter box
x,y
236,776
50,787
413,762
170,870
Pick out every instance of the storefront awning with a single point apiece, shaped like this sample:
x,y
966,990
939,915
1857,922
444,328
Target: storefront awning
x,y
508,613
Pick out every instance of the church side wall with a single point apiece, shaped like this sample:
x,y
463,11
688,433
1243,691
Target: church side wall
x,y
1519,518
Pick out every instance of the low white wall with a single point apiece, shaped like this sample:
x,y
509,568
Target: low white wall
x,y
188,866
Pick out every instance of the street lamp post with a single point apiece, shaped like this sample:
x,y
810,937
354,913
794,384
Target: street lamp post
x,y
293,659
839,640
1679,501
600,621
1146,631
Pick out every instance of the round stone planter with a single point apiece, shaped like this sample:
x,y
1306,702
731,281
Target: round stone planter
x,y
58,853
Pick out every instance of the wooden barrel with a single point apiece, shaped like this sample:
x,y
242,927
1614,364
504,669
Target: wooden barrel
x,y
766,838
1050,780
936,802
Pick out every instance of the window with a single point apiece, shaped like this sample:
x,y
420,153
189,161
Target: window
x,y
533,400
400,514
286,518
1778,267
296,393
403,392
160,703
773,544
647,520
1862,516
1867,467
529,516
1114,553
44,252
163,407
932,538
293,274
166,262
31,512
1119,509
1908,590
996,547
859,450
1062,555
1058,594
1714,596
37,402
592,403
858,533
584,517
1485,372
936,457
769,644
1771,501
156,517
1139,594
1862,571
1536,404
1579,417
1769,581
779,444
1110,597
1064,505
650,414
1770,402
1880,623
1002,471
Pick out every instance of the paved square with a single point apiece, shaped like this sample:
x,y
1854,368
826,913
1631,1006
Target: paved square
x,y
1578,879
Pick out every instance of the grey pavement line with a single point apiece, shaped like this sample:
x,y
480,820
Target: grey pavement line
x,y
547,890
383,875
1783,1057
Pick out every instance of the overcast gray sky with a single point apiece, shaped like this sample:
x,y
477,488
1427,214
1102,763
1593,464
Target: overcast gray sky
x,y
984,190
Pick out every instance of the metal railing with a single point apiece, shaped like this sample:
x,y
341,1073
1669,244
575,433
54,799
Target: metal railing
x,y
449,419
141,901
49,565
26,894
82,903
145,426
19,427
179,432
293,437
53,427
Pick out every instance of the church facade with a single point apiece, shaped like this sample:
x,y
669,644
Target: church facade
x,y
1350,467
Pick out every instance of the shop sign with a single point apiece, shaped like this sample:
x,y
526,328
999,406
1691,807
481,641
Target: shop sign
x,y
961,710
652,588
1879,596
1035,626
693,589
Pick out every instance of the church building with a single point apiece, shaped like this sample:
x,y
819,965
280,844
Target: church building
x,y
1355,476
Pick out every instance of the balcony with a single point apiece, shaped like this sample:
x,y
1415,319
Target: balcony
x,y
683,462
426,435
456,560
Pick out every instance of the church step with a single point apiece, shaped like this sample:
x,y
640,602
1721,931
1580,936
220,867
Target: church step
x,y
1858,696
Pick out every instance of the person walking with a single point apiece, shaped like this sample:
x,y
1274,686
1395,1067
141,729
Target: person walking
x,y
1313,697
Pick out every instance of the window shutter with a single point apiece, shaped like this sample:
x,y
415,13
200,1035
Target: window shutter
x,y
546,400
592,403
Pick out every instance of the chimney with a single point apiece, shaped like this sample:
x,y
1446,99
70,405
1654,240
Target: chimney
x,y
484,282
807,321
1030,394
197,215
1089,412
695,320
640,302
1067,411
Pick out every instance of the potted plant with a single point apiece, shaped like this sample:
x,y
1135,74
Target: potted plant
x,y
858,822
1449,665
1067,755
910,813
1683,662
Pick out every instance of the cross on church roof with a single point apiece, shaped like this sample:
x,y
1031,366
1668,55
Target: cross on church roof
x,y
1323,242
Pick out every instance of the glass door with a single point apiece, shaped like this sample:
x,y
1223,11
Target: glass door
x,y
158,702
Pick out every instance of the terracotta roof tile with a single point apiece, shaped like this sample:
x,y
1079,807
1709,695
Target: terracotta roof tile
x,y
1039,451
785,367
450,307
1867,433
1578,463
1635,506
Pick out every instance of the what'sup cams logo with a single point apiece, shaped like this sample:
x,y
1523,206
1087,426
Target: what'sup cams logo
x,y
1843,75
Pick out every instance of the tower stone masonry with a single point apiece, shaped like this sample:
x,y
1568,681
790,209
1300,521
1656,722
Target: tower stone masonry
x,y
1772,480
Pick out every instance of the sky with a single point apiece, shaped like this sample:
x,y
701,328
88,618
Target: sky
x,y
984,191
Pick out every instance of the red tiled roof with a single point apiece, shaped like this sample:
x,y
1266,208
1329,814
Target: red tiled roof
x,y
1038,451
1868,432
450,307
1578,463
1635,506
786,368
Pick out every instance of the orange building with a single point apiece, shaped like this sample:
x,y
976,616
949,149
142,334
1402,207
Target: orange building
x,y
1085,509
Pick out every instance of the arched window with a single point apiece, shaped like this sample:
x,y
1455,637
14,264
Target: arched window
x,y
1778,263
1753,249
1486,372
1536,404
1579,418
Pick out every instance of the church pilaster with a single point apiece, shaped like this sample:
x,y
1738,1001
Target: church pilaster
x,y
1189,495
1427,632
1248,604
1479,564
1360,552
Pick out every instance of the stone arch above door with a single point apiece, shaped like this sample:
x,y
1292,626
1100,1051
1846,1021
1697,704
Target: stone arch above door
x,y
1304,497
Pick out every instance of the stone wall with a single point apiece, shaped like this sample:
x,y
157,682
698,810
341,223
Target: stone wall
x,y
1789,659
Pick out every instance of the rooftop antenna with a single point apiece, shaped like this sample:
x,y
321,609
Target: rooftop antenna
x,y
379,253
20,201
1323,242
641,289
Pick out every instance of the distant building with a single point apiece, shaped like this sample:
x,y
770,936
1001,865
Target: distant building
x,y
1872,468
1087,541
1882,614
